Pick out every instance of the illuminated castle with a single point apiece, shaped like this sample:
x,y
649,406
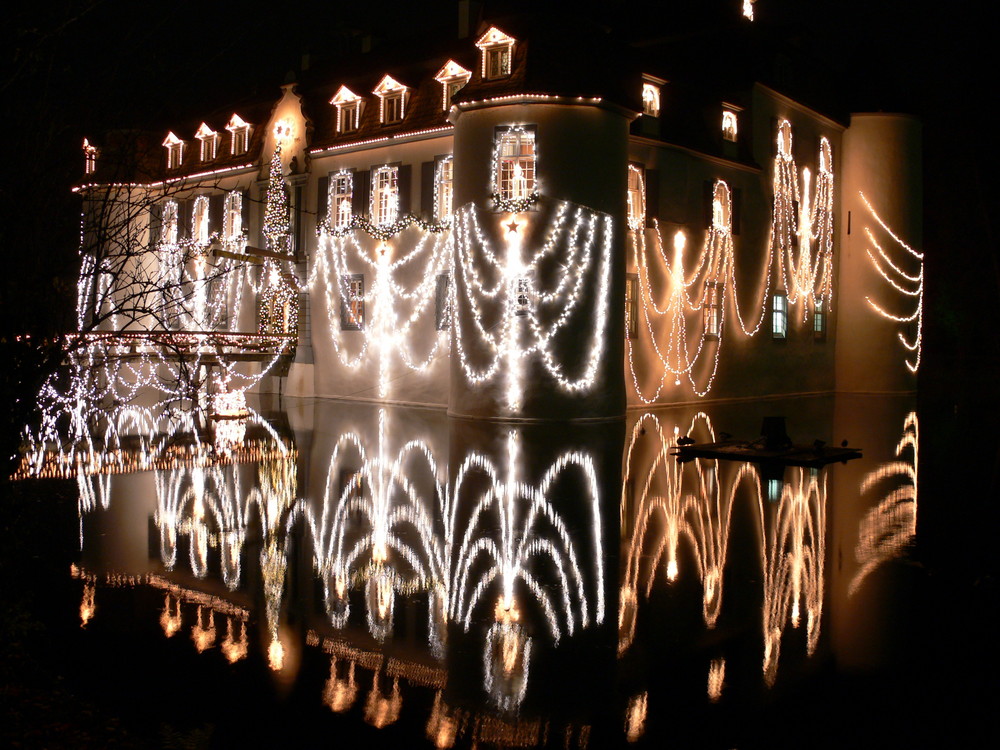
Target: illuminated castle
x,y
524,228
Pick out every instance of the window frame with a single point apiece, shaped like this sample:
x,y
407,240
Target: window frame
x,y
239,135
444,189
352,302
336,198
634,221
503,185
632,306
820,319
712,312
779,315
379,205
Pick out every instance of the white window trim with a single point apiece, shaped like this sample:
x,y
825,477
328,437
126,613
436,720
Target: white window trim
x,y
175,150
200,220
509,191
636,215
232,227
89,157
384,201
336,215
450,74
239,135
443,208
390,89
495,41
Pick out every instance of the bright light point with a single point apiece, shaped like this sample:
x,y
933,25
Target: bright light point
x,y
276,655
672,570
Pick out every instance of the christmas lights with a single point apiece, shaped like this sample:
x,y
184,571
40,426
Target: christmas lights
x,y
909,285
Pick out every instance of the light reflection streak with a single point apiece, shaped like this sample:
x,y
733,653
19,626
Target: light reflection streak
x,y
888,528
688,502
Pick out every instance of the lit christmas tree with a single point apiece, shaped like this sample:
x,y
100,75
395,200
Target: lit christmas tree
x,y
278,312
276,210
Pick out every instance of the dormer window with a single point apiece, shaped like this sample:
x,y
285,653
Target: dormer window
x,y
651,95
392,100
452,78
209,142
385,195
348,106
514,176
239,132
175,150
730,123
89,157
497,52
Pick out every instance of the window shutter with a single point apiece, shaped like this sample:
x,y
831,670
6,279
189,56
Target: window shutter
x,y
708,194
652,194
403,180
427,190
216,208
362,188
245,210
737,212
155,222
322,198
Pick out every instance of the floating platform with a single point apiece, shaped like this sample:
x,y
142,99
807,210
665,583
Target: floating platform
x,y
756,451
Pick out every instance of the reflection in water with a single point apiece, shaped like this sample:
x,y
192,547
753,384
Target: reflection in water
x,y
890,526
508,555
687,501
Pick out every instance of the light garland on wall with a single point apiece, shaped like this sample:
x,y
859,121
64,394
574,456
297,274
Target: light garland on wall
x,y
908,285
800,258
519,321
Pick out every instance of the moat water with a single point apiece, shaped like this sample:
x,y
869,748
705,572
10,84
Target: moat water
x,y
323,573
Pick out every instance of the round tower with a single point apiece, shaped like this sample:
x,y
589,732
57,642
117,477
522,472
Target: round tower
x,y
540,189
881,278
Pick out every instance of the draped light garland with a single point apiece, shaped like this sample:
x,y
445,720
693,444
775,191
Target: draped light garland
x,y
515,317
911,286
686,321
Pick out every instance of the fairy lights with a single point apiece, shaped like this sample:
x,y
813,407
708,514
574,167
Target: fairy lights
x,y
239,135
452,78
910,286
392,96
209,142
175,150
686,323
89,157
496,52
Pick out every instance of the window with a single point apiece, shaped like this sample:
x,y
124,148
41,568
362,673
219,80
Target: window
x,y
712,311
730,124
650,99
232,221
239,135
352,302
515,163
496,49
722,207
341,199
444,189
442,299
522,295
774,487
385,195
819,319
632,305
175,150
168,228
392,100
779,315
348,106
89,157
452,78
636,197
209,142
200,220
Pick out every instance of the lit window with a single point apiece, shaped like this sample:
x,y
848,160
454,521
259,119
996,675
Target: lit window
x,y
785,140
496,50
452,78
774,487
442,298
385,196
819,319
209,142
341,199
515,164
392,100
348,106
175,150
779,315
352,302
650,99
89,157
444,189
730,125
200,220
636,197
239,135
712,310
168,227
632,305
522,296
232,227
722,207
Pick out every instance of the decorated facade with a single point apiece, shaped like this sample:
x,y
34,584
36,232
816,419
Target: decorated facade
x,y
532,228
